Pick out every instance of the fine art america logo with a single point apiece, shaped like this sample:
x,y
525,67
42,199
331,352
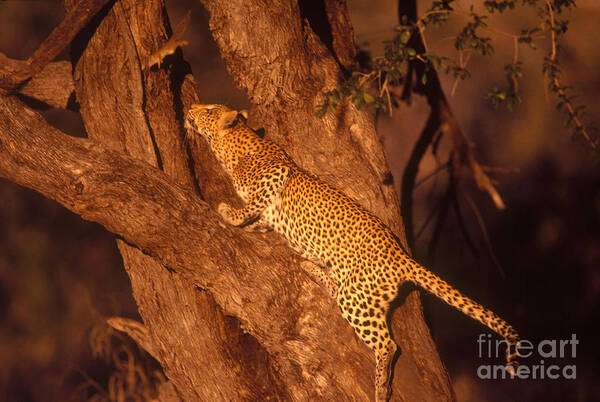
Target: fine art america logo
x,y
539,369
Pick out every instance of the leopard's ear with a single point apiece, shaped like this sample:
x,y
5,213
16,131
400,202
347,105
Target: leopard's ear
x,y
227,120
244,114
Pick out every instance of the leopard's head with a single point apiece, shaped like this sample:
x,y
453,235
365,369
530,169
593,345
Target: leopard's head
x,y
211,120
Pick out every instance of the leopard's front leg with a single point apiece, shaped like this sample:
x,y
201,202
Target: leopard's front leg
x,y
264,186
238,217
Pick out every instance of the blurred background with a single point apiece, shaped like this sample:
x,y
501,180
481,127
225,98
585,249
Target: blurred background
x,y
60,276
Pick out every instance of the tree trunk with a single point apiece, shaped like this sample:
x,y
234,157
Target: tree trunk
x,y
228,314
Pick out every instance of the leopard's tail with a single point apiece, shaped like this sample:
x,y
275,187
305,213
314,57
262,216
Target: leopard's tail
x,y
432,283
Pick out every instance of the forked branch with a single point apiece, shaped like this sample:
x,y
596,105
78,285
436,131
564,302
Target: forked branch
x,y
59,39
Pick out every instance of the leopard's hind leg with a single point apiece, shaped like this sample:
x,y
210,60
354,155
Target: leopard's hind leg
x,y
366,312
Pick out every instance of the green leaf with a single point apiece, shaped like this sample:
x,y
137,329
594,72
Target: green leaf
x,y
368,97
358,101
405,36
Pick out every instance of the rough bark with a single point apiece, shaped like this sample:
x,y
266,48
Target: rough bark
x,y
232,317
53,86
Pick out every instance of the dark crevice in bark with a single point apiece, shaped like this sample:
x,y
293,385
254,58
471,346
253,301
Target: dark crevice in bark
x,y
80,42
33,103
159,162
315,13
178,72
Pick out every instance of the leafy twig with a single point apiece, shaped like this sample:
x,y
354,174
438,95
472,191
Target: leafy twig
x,y
553,73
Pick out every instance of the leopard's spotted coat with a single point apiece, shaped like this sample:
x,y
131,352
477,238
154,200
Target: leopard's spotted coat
x,y
351,252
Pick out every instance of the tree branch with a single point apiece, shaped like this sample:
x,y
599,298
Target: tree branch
x,y
136,331
53,85
441,119
58,39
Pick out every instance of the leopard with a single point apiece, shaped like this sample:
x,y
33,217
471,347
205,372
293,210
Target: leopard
x,y
346,249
